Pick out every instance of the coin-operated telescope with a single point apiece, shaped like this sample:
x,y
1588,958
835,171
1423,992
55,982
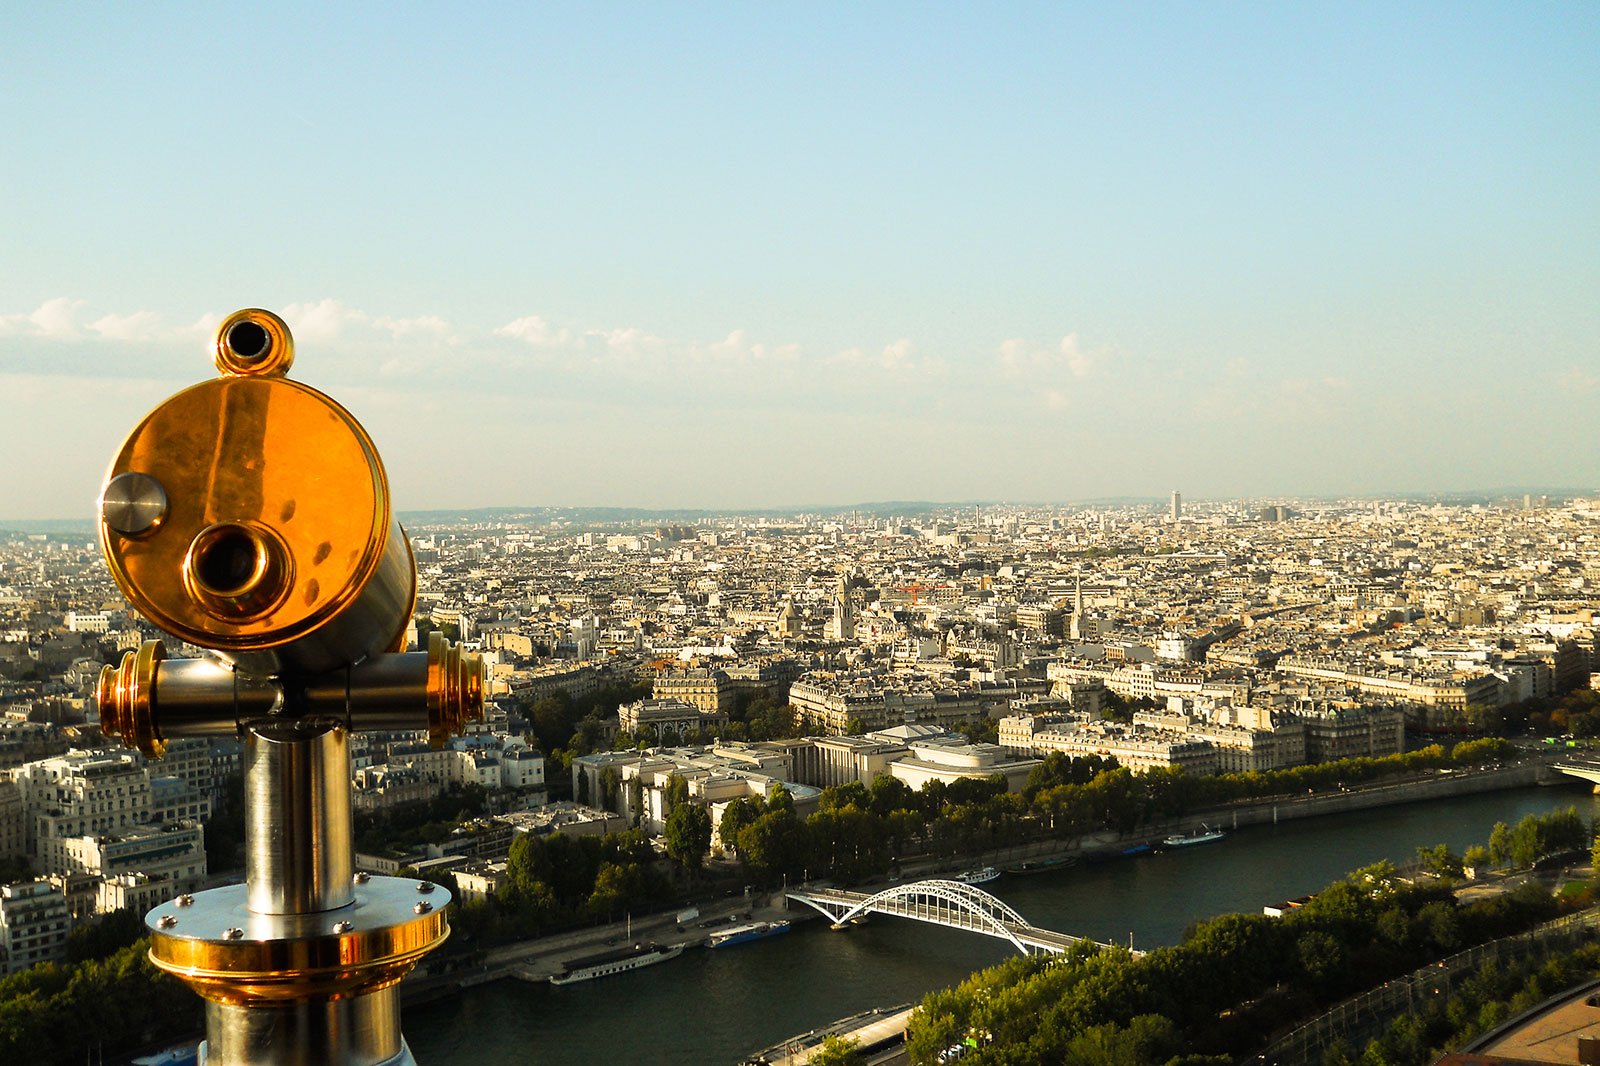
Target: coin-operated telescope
x,y
249,515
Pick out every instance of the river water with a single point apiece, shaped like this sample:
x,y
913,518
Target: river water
x,y
714,1007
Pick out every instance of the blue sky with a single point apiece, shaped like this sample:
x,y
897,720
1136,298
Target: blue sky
x,y
752,255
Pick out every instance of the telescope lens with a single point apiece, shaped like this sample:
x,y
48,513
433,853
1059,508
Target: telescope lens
x,y
248,341
236,572
228,563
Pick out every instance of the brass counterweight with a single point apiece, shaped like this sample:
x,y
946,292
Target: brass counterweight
x,y
250,515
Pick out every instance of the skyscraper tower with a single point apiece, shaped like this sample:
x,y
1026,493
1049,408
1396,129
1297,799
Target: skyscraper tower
x,y
1177,505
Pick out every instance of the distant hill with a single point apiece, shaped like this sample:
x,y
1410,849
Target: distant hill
x,y
62,527
604,515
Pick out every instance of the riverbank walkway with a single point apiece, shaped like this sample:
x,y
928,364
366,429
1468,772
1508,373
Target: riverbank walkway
x,y
952,904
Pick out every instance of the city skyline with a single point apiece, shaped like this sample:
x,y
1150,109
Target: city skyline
x,y
726,260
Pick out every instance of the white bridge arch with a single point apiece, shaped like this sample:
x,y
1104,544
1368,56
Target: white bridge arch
x,y
953,904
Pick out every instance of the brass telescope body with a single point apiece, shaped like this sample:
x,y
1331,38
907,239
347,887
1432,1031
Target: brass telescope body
x,y
249,515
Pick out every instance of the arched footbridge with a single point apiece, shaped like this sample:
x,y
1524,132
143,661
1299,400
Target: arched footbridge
x,y
952,904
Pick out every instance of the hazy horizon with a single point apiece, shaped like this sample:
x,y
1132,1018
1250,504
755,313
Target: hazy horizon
x,y
729,258
87,522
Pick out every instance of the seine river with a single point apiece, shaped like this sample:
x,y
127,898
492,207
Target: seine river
x,y
714,1007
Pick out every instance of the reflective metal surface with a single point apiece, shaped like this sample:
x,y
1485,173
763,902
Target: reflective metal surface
x,y
372,941
133,504
299,851
250,515
149,699
253,342
356,1031
125,696
278,548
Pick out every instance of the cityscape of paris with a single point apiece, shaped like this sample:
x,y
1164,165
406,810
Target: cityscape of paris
x,y
1043,534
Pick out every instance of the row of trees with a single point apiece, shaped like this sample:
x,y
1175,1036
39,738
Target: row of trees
x,y
859,830
1214,997
1497,990
564,727
559,881
1577,713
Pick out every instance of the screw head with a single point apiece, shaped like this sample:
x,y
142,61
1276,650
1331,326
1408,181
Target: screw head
x,y
342,927
361,877
167,921
422,907
233,933
133,503
424,887
184,900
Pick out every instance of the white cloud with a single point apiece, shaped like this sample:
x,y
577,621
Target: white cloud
x,y
534,330
425,325
55,319
63,319
629,340
899,354
737,347
1076,360
330,320
139,326
1021,358
323,320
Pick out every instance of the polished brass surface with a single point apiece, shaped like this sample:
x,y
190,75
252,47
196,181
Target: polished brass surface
x,y
290,956
147,701
455,688
278,547
250,515
125,694
254,342
237,571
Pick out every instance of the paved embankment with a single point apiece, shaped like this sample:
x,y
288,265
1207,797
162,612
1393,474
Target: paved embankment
x,y
540,958
543,957
870,1029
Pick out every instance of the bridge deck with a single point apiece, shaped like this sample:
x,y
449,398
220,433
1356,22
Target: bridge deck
x,y
838,902
1588,769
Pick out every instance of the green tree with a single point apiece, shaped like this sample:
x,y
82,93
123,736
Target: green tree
x,y
1500,844
1440,860
776,844
735,816
677,791
838,1051
688,835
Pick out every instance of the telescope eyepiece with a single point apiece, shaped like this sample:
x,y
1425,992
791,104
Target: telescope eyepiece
x,y
237,571
254,342
249,341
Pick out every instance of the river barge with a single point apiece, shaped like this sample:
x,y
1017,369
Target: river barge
x,y
743,934
619,960
980,876
1203,835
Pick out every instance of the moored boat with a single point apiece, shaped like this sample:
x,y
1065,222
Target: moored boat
x,y
1042,866
742,934
621,960
1203,835
980,876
